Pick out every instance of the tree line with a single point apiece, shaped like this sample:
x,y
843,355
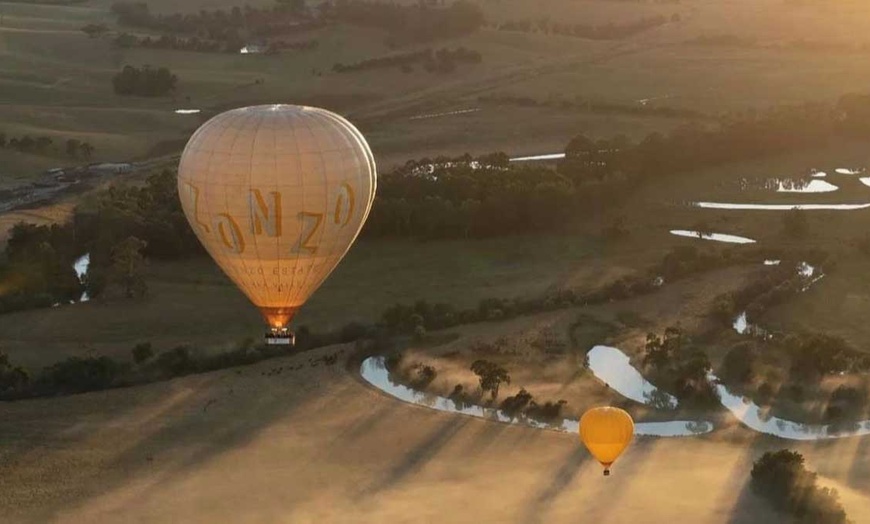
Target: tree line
x,y
203,45
592,106
404,23
407,23
443,60
608,31
144,81
227,26
44,145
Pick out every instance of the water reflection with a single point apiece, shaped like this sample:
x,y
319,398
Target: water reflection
x,y
804,186
761,421
865,180
780,207
848,171
772,262
374,371
186,111
81,268
613,367
718,237
551,156
614,364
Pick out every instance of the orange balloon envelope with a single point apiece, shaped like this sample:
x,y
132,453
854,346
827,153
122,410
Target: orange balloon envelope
x,y
277,194
606,432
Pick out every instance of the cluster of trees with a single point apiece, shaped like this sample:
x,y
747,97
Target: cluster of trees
x,y
36,269
407,23
203,45
466,197
469,199
442,61
82,374
772,287
609,31
404,23
120,228
591,106
44,145
229,28
144,81
782,478
816,355
676,361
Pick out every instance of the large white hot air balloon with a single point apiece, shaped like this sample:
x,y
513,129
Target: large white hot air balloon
x,y
277,194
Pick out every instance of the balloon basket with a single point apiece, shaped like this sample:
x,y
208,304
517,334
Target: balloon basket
x,y
607,472
280,337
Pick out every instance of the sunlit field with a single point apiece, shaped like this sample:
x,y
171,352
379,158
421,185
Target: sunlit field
x,y
689,243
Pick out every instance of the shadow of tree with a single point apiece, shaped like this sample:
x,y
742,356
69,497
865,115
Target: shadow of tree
x,y
418,457
563,477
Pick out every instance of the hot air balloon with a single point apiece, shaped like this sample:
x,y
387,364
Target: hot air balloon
x,y
606,432
277,194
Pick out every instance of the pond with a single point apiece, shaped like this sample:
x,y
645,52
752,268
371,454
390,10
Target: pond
x,y
613,367
718,237
374,371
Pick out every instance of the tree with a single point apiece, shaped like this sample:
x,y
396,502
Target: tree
x,y
126,269
142,352
782,479
661,351
72,147
43,143
95,30
491,376
12,378
738,364
87,149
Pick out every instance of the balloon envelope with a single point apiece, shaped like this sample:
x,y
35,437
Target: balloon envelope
x,y
277,194
606,432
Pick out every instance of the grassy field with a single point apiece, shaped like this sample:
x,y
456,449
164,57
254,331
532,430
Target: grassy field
x,y
191,302
316,445
56,81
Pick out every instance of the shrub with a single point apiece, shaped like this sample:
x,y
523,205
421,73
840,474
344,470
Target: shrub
x,y
142,352
514,406
77,375
738,364
784,481
176,362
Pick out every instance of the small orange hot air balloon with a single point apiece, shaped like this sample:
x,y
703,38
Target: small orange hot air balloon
x,y
606,432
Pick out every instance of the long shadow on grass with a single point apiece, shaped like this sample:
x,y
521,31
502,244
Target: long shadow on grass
x,y
417,458
537,507
199,435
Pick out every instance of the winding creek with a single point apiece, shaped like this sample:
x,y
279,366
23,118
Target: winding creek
x,y
718,237
374,371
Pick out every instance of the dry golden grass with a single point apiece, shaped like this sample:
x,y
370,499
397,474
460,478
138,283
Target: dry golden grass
x,y
316,445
